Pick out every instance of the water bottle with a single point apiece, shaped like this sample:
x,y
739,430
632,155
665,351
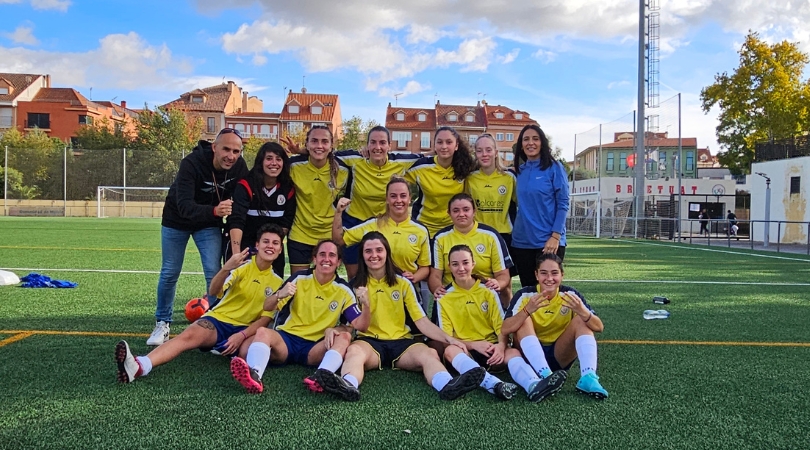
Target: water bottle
x,y
651,314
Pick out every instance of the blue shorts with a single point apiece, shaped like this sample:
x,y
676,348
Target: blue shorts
x,y
553,364
297,348
224,331
300,254
351,254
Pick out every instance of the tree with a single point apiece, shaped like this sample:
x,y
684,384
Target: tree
x,y
39,159
250,148
163,137
97,159
763,99
355,133
16,188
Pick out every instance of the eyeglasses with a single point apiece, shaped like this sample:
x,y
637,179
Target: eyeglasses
x,y
230,130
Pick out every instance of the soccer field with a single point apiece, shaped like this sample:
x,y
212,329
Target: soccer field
x,y
729,369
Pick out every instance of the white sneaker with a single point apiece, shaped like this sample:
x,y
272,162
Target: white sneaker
x,y
160,334
128,367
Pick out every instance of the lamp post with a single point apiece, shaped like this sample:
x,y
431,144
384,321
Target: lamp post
x,y
766,237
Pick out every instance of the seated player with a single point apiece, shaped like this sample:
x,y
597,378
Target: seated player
x,y
388,342
554,325
492,260
308,328
228,326
472,313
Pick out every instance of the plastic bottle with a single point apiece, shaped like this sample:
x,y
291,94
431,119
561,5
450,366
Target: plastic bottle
x,y
651,314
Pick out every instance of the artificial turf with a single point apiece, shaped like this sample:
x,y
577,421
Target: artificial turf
x,y
59,390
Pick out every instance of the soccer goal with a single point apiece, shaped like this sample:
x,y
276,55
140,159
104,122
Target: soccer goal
x,y
591,215
130,201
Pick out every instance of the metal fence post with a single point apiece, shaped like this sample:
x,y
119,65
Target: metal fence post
x,y
5,185
64,181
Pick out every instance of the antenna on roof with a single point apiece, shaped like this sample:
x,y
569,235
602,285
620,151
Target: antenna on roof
x,y
304,82
91,94
396,98
435,96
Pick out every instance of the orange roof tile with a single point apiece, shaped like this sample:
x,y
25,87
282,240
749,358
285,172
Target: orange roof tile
x,y
19,81
215,99
411,121
442,112
304,100
508,116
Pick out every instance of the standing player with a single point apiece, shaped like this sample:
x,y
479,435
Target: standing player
x,y
388,342
319,178
472,313
554,325
308,327
230,324
198,200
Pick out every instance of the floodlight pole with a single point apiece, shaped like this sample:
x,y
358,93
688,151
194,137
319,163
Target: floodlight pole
x,y
5,185
766,238
64,181
640,163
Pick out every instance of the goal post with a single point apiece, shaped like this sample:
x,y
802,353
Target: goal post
x,y
130,201
585,214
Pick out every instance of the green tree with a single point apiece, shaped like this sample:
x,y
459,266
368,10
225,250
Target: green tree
x,y
16,188
162,138
97,159
39,159
763,99
250,148
355,133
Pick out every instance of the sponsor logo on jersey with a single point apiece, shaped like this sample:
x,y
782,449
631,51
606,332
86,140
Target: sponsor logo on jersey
x,y
395,296
318,297
480,248
412,238
257,281
333,306
502,190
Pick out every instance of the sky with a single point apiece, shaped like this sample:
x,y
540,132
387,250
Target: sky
x,y
571,64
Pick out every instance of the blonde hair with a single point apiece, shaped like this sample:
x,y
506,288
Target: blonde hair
x,y
383,218
498,164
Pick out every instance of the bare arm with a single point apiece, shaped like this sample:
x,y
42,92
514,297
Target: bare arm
x,y
435,281
219,279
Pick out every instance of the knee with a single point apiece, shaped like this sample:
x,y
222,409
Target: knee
x,y
344,337
354,351
450,352
263,335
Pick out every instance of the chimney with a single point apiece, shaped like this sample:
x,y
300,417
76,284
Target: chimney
x,y
244,101
123,104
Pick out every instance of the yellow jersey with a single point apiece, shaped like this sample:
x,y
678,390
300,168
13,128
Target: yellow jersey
x,y
470,315
495,198
394,309
366,186
315,198
488,247
436,186
245,290
409,241
551,321
316,307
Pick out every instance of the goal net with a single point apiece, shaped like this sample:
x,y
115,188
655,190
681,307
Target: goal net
x,y
591,215
130,201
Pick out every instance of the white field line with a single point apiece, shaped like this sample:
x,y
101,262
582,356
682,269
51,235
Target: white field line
x,y
156,272
709,249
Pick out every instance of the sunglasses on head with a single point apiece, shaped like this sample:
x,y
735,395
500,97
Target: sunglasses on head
x,y
229,130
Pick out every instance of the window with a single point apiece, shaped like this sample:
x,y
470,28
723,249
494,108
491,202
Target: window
x,y
39,120
610,166
623,161
3,91
402,138
518,116
317,110
690,161
400,116
85,120
295,127
473,138
240,127
469,118
662,158
264,130
795,185
452,117
211,125
292,109
425,140
499,115
196,99
498,136
422,117
510,137
119,127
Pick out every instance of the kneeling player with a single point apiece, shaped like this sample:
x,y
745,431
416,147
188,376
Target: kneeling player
x,y
554,325
388,342
308,328
228,326
472,312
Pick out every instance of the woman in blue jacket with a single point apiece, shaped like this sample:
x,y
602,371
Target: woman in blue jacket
x,y
542,198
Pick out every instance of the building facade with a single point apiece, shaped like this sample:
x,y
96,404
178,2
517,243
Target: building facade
x,y
15,88
661,159
303,110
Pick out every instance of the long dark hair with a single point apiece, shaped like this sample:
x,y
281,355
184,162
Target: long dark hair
x,y
379,128
461,196
463,163
542,257
330,157
546,159
255,177
391,270
461,248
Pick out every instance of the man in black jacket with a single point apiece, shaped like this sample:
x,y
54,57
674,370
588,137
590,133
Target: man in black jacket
x,y
198,200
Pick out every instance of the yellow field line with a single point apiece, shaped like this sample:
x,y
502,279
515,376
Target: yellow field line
x,y
22,334
17,337
94,249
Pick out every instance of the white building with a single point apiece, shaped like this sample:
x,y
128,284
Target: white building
x,y
789,198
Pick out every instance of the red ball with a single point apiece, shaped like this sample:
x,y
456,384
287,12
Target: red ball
x,y
195,308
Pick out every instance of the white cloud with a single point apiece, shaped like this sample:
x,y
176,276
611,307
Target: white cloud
x,y
420,33
61,5
23,35
259,60
616,84
411,87
509,57
545,56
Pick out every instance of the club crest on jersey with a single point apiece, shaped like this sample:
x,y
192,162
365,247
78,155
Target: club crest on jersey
x,y
502,190
395,296
485,306
412,238
333,306
281,200
480,248
268,291
564,310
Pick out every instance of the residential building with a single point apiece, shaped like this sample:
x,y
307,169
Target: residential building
x,y
303,110
413,129
257,124
18,87
212,104
60,112
662,154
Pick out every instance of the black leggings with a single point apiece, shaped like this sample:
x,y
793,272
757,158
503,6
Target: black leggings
x,y
525,260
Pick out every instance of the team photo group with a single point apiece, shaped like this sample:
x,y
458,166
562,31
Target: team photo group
x,y
471,227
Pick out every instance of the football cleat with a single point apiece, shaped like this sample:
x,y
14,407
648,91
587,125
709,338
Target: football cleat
x,y
128,367
247,377
463,383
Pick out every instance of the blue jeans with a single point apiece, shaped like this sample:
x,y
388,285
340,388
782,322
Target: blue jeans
x,y
173,244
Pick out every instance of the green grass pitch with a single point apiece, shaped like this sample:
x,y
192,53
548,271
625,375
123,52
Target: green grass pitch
x,y
729,369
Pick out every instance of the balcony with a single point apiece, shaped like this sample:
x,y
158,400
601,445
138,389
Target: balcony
x,y
247,134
